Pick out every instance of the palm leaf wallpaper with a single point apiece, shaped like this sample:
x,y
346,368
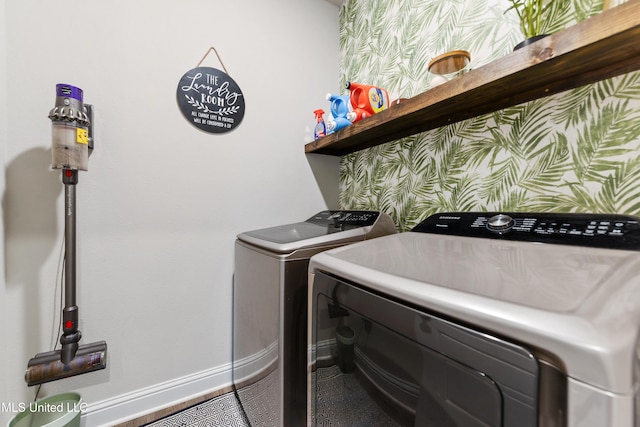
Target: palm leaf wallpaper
x,y
578,151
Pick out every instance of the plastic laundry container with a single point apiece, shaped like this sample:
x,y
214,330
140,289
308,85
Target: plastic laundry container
x,y
60,410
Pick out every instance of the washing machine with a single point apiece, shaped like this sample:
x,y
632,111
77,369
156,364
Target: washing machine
x,y
480,319
270,309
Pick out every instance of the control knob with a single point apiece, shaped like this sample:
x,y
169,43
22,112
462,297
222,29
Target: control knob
x,y
500,223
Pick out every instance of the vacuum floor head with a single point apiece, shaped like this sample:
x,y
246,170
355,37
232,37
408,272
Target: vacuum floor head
x,y
45,367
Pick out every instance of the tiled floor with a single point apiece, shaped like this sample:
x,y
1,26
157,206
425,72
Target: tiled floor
x,y
219,411
259,398
337,393
342,401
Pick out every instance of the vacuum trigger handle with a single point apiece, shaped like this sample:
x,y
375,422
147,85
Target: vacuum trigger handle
x,y
70,319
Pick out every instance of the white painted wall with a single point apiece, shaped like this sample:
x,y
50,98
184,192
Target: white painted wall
x,y
4,348
162,201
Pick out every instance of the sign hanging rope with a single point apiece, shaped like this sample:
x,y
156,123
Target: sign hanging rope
x,y
218,55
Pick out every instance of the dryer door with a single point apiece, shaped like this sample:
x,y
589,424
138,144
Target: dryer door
x,y
375,361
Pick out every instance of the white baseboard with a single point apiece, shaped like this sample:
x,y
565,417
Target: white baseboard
x,y
253,366
141,402
323,350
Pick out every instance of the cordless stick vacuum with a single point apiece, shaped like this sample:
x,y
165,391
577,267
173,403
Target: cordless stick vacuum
x,y
71,139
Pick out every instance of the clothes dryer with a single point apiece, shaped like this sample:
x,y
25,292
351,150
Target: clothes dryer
x,y
480,319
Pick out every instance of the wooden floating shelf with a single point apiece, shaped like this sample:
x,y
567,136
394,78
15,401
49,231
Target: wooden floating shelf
x,y
601,47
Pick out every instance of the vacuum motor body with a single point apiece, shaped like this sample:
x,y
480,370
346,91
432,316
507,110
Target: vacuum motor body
x,y
70,129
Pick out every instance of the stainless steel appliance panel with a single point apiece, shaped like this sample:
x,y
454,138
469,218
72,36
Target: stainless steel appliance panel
x,y
270,309
418,368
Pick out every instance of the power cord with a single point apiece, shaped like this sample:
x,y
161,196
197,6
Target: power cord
x,y
57,316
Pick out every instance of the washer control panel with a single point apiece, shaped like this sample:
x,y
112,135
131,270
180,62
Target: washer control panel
x,y
598,230
345,219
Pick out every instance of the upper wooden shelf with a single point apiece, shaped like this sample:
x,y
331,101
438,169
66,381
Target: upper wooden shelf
x,y
603,46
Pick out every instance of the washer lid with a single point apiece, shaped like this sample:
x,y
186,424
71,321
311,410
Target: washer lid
x,y
579,303
324,228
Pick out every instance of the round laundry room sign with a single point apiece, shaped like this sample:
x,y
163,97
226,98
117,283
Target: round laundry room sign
x,y
210,100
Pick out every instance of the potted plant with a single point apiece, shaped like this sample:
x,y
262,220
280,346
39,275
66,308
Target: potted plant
x,y
536,17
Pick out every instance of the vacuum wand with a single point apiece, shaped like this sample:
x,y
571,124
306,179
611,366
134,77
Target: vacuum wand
x,y
70,333
70,152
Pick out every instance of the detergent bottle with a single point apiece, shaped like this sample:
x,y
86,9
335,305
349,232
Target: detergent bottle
x,y
357,114
336,124
340,105
321,128
370,99
340,109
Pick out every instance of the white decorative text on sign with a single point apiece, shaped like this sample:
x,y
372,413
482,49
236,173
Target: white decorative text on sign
x,y
210,100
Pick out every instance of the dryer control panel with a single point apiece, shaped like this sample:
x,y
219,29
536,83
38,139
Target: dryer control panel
x,y
598,230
